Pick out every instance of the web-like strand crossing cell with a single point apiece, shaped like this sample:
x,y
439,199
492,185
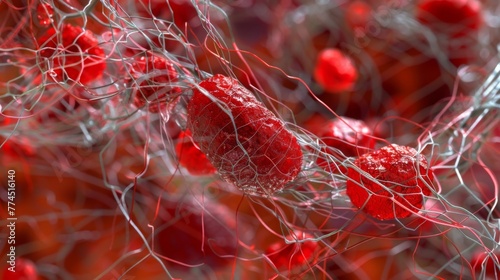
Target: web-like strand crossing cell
x,y
247,144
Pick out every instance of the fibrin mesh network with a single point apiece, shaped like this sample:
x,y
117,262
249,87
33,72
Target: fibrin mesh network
x,y
185,139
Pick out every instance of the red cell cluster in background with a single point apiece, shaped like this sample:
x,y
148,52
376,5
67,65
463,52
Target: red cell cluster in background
x,y
397,179
24,270
73,53
157,73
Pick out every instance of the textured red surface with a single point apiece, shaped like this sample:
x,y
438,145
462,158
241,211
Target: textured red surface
x,y
394,167
191,158
246,143
290,256
454,17
77,56
334,71
155,89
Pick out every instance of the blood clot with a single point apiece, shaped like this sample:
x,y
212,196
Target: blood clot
x,y
248,145
390,182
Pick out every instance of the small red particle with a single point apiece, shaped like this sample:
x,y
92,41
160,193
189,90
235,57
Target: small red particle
x,y
77,56
292,255
335,71
395,168
453,17
156,89
249,146
24,270
191,157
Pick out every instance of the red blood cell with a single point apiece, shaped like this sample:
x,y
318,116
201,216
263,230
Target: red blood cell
x,y
335,71
352,137
197,232
75,54
358,14
453,17
191,157
247,144
293,255
395,174
44,13
24,269
156,89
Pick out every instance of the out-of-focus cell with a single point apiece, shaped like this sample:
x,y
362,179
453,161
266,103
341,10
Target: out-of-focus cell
x,y
72,53
23,269
246,143
190,156
197,232
452,17
153,77
390,182
44,14
358,13
293,255
335,71
352,137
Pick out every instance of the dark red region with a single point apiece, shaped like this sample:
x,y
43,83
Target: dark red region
x,y
197,232
352,137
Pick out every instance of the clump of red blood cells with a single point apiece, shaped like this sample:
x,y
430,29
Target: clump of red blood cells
x,y
352,137
23,269
452,17
292,255
248,145
390,182
335,71
190,156
157,74
73,54
197,232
